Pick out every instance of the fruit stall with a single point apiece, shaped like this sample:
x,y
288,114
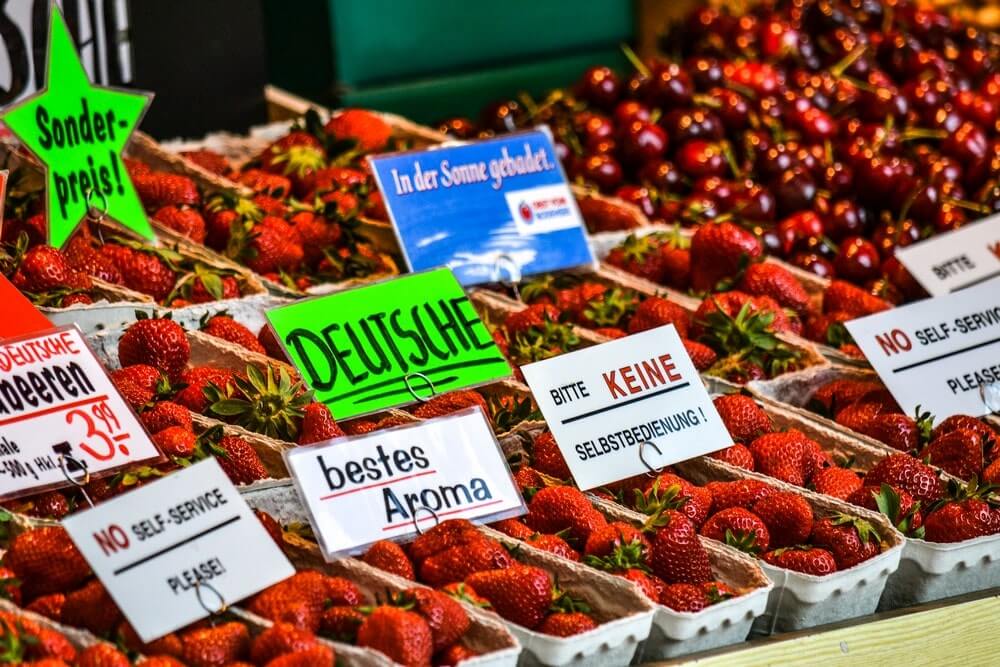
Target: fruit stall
x,y
668,341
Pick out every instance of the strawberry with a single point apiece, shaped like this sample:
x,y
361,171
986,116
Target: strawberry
x,y
445,617
640,256
567,624
215,646
907,473
777,282
676,554
316,233
454,654
228,287
197,379
102,655
960,520
165,414
513,528
341,623
176,441
895,429
521,594
650,585
738,493
554,544
51,504
533,317
185,220
859,416
736,455
264,183
240,461
735,319
655,311
297,155
444,535
720,251
160,343
547,459
805,559
738,528
670,491
270,343
845,297
784,456
851,540
139,384
898,505
527,479
959,452
689,598
209,160
744,419
992,473
788,517
92,608
463,592
390,557
157,189
702,356
444,404
274,247
46,561
986,432
617,536
169,661
718,591
457,563
145,272
836,395
314,656
224,327
318,425
369,131
44,268
402,635
557,508
279,639
271,525
837,482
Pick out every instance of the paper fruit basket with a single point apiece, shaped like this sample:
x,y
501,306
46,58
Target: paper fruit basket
x,y
624,614
799,600
928,571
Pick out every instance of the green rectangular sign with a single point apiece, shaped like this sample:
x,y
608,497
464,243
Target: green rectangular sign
x,y
362,349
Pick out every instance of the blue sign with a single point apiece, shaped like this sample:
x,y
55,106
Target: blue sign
x,y
489,210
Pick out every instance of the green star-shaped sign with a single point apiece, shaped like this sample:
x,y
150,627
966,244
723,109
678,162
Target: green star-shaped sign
x,y
78,131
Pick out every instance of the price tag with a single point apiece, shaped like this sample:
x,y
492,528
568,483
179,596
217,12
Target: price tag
x,y
59,409
373,347
79,131
362,489
489,210
176,550
956,260
940,353
625,407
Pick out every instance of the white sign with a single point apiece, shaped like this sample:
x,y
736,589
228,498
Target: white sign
x,y
57,401
956,260
168,551
938,352
359,490
603,403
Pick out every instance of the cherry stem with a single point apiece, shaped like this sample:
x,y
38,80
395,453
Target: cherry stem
x,y
840,67
914,133
637,63
967,205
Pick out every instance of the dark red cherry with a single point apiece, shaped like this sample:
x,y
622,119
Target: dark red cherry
x,y
902,280
669,87
857,260
602,170
794,190
630,110
719,189
503,116
762,78
755,203
660,175
600,86
845,218
603,145
700,158
639,196
838,179
696,209
734,109
949,217
593,126
642,141
705,72
683,125
458,127
895,234
796,230
814,263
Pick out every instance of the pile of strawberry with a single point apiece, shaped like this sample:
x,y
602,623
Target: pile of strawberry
x,y
416,627
311,188
24,641
45,275
532,335
459,559
961,445
731,335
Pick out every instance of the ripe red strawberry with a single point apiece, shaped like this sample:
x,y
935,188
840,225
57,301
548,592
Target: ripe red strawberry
x,y
454,655
788,517
371,132
959,452
898,505
655,311
49,606
196,380
554,544
176,441
159,343
640,256
618,536
513,528
402,635
736,455
960,520
390,557
230,289
777,282
702,356
445,617
836,395
557,508
319,655
228,329
44,268
986,432
992,473
718,591
521,594
50,504
46,561
567,624
214,646
91,607
458,562
279,639
738,493
101,655
837,482
165,414
138,384
851,540
738,528
676,554
859,416
274,247
907,473
318,425
270,343
784,456
688,598
463,592
453,401
527,479
444,535
240,460
670,491
805,559
546,457
895,429
720,251
271,525
532,317
184,220
264,183
845,297
10,586
341,623
157,189
209,160
720,312
744,419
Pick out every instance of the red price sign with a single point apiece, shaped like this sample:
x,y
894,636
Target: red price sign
x,y
52,385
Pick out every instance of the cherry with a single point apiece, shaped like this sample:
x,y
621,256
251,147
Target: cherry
x,y
924,202
755,202
777,39
857,260
838,179
630,110
503,116
719,189
458,127
643,141
814,124
814,263
794,189
660,175
943,118
603,145
669,87
845,218
685,124
699,158
600,86
901,279
706,72
592,126
776,160
795,230
892,234
734,109
948,218
697,208
602,170
925,96
639,196
989,196
771,240
762,78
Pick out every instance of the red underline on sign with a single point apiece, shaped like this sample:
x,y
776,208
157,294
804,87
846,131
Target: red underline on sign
x,y
58,408
441,514
375,486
